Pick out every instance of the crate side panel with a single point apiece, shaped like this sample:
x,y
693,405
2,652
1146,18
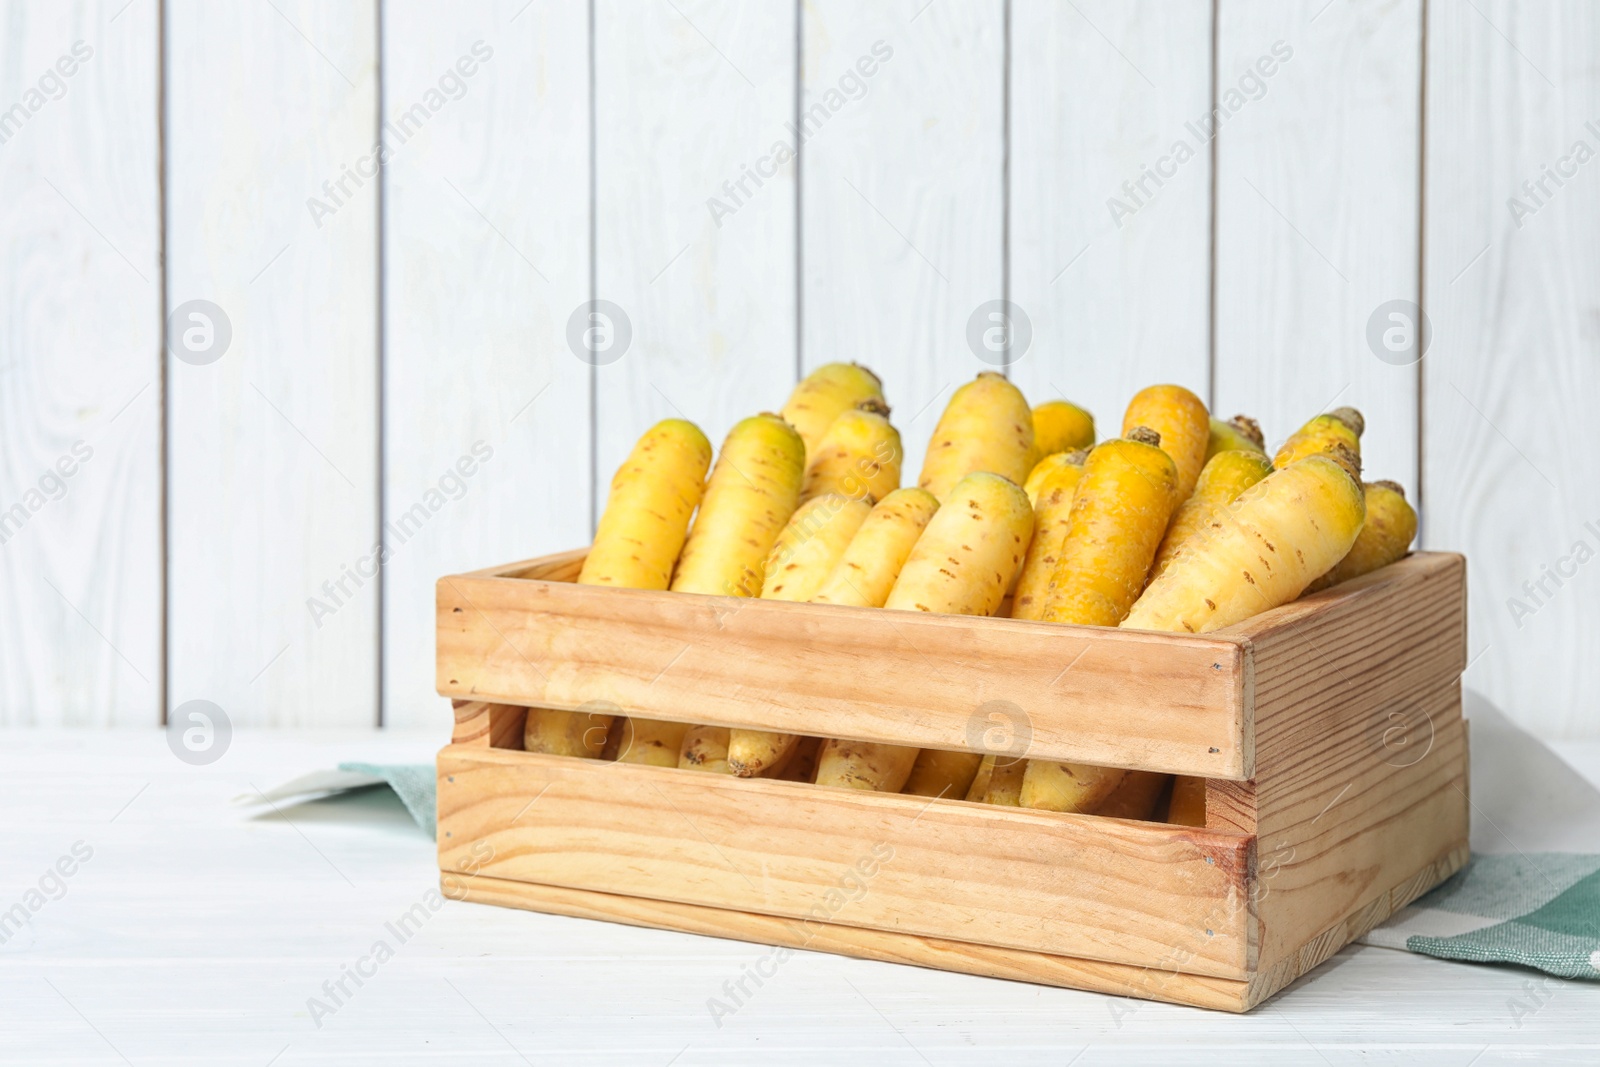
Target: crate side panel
x,y
1351,816
1018,965
1120,698
1071,885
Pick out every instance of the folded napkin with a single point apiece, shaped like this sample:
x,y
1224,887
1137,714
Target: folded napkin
x,y
1529,896
413,783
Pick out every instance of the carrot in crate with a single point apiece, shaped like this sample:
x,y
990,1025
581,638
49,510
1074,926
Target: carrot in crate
x,y
1225,476
858,457
825,394
1188,806
1135,797
1341,426
1051,495
804,554
998,781
872,561
653,494
1273,541
1123,502
754,489
961,565
987,426
1388,532
1239,434
753,492
1061,426
1183,422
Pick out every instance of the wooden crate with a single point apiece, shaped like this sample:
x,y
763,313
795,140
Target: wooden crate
x,y
1329,732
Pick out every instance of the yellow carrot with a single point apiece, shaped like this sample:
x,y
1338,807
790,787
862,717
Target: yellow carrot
x,y
1341,426
810,545
1119,512
653,494
1239,434
1226,475
961,565
858,457
987,426
825,394
653,742
1048,466
1389,530
1061,426
705,748
998,781
965,559
1188,806
804,554
754,488
867,571
1272,542
938,773
862,765
1183,422
1052,512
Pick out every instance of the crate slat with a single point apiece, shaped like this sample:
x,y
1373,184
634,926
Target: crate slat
x,y
1156,702
1075,885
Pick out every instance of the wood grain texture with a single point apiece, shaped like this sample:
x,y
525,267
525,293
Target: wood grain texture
x,y
1513,291
487,258
1104,889
1118,295
80,393
1122,698
272,456
1017,965
1317,215
1361,752
903,197
690,99
1354,709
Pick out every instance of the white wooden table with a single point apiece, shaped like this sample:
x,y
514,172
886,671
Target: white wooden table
x,y
196,933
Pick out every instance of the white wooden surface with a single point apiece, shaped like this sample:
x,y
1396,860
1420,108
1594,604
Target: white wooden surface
x,y
272,449
902,200
1116,303
1516,320
80,329
196,934
974,162
688,94
487,256
1317,215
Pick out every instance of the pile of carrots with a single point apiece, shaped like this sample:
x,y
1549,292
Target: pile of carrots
x,y
1181,524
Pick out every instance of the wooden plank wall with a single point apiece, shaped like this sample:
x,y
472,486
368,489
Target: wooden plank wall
x,y
589,216
80,366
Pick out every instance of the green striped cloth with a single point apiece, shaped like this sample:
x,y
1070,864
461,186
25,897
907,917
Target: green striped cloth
x,y
1538,910
1531,894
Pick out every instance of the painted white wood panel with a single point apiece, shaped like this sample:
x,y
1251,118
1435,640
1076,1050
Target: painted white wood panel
x,y
902,199
1317,214
273,447
1513,376
80,392
691,97
1111,199
487,257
